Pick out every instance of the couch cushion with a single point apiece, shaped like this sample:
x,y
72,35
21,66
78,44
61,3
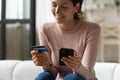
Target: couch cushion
x,y
117,73
105,71
26,70
6,68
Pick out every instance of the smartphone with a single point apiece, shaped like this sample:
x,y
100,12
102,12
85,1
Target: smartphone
x,y
65,52
40,48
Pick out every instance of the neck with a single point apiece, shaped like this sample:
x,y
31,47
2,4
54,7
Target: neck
x,y
68,26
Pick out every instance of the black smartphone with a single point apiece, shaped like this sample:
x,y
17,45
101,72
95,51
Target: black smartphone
x,y
65,52
40,48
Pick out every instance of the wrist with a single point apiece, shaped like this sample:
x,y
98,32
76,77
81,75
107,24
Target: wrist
x,y
47,66
77,67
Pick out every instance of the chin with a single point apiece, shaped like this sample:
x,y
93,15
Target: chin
x,y
60,21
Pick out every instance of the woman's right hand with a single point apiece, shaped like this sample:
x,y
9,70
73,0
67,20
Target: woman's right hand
x,y
39,59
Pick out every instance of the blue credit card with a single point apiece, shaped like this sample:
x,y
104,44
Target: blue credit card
x,y
40,48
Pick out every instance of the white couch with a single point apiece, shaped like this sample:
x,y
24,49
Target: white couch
x,y
26,70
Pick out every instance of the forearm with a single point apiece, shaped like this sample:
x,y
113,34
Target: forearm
x,y
88,73
51,68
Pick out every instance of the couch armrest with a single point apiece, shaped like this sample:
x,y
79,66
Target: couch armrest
x,y
105,71
117,73
7,68
26,70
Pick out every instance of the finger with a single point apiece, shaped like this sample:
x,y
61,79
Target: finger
x,y
66,60
33,57
70,63
40,55
35,60
38,61
33,52
75,54
75,58
73,61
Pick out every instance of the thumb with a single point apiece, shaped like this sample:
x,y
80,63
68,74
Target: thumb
x,y
34,52
75,53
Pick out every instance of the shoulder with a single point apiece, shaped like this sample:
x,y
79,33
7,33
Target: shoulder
x,y
91,26
46,26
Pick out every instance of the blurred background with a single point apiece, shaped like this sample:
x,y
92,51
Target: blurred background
x,y
19,20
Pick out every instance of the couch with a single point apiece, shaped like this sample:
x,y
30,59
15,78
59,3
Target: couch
x,y
26,70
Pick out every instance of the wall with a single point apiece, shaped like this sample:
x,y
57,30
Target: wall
x,y
107,15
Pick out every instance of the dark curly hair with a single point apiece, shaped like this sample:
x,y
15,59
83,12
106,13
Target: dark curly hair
x,y
79,14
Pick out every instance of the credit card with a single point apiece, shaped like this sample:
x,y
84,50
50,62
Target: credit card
x,y
40,48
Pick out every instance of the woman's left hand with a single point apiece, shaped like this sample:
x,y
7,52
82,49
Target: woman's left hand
x,y
73,62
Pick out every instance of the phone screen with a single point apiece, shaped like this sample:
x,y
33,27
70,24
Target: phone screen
x,y
65,52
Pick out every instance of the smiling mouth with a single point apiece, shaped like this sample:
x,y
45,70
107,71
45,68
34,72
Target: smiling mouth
x,y
59,17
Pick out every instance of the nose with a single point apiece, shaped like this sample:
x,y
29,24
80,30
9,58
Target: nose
x,y
58,9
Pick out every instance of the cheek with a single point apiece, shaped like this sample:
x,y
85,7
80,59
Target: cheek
x,y
72,13
69,13
53,11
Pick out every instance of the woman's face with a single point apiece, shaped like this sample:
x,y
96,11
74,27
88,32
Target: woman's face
x,y
63,10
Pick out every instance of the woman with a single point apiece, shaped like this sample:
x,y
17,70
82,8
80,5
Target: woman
x,y
68,31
